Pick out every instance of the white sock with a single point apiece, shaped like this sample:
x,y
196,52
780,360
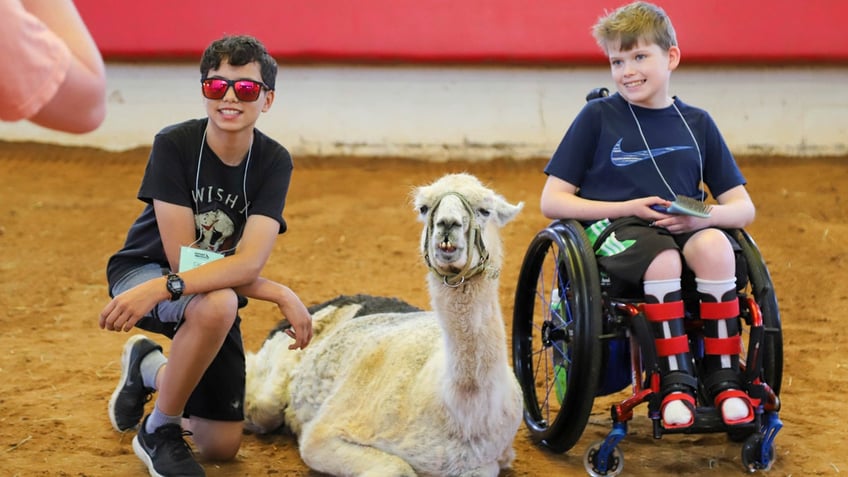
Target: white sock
x,y
158,418
660,288
676,412
150,365
734,408
715,288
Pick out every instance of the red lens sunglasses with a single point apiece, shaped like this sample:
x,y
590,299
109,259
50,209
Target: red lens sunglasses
x,y
246,90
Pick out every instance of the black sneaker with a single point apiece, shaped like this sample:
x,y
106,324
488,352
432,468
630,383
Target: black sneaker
x,y
126,406
165,452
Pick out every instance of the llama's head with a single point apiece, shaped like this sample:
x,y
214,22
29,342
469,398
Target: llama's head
x,y
462,217
268,375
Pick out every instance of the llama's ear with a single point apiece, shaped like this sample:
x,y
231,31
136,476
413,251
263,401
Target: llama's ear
x,y
416,199
504,211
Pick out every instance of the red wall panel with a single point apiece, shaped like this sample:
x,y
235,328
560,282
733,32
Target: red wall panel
x,y
462,31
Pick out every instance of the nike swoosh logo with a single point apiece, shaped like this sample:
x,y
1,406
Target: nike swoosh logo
x,y
621,158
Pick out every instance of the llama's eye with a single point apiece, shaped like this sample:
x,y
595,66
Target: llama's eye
x,y
483,212
423,209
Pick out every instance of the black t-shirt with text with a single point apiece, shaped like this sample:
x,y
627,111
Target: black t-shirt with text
x,y
221,196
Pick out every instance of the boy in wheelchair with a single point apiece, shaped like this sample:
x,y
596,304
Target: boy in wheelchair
x,y
631,168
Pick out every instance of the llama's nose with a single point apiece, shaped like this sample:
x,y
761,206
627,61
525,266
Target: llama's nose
x,y
447,224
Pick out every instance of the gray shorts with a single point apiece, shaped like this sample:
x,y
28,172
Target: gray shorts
x,y
169,313
220,394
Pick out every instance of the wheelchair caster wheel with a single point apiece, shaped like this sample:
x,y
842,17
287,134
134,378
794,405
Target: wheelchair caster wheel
x,y
592,461
753,458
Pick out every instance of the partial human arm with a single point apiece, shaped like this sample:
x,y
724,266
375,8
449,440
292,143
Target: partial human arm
x,y
560,201
176,228
734,210
79,105
239,271
289,304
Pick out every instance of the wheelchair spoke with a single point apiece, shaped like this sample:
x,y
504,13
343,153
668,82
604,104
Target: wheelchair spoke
x,y
554,328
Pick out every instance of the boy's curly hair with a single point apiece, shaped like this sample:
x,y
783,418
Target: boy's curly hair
x,y
631,23
239,50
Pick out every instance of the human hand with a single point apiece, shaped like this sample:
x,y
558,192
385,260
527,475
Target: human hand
x,y
660,213
124,311
678,224
650,208
301,324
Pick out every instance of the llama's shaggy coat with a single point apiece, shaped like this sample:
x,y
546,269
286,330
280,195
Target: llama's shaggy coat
x,y
408,393
269,371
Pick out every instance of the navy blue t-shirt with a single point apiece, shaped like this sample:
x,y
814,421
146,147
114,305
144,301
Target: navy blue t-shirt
x,y
221,196
604,155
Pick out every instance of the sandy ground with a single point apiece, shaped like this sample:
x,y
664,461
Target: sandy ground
x,y
352,230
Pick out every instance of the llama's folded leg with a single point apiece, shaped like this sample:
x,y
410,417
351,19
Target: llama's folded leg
x,y
323,448
507,458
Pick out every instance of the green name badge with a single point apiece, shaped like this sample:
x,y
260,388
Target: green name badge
x,y
195,257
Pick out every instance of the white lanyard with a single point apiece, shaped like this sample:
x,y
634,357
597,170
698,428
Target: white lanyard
x,y
191,257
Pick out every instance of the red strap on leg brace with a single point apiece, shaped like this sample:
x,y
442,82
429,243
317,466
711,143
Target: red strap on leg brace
x,y
671,346
723,310
721,346
663,311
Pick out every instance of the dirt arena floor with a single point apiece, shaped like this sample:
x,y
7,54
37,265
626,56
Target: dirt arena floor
x,y
352,230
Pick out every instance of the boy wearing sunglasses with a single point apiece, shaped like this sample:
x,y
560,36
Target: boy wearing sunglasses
x,y
214,190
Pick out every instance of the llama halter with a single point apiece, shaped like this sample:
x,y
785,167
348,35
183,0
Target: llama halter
x,y
474,238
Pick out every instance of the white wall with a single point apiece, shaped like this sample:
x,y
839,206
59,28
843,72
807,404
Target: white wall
x,y
469,112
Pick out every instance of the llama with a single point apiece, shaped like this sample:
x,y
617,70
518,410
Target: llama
x,y
268,372
416,393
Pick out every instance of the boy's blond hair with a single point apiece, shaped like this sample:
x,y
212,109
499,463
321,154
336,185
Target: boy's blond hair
x,y
631,23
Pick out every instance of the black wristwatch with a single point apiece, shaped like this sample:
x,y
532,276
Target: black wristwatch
x,y
175,286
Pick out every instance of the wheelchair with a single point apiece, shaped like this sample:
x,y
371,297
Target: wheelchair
x,y
574,339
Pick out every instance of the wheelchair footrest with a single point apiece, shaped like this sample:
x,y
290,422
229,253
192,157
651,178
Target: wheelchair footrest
x,y
707,420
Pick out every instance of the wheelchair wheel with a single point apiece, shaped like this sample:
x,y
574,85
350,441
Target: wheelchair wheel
x,y
556,326
760,287
754,457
